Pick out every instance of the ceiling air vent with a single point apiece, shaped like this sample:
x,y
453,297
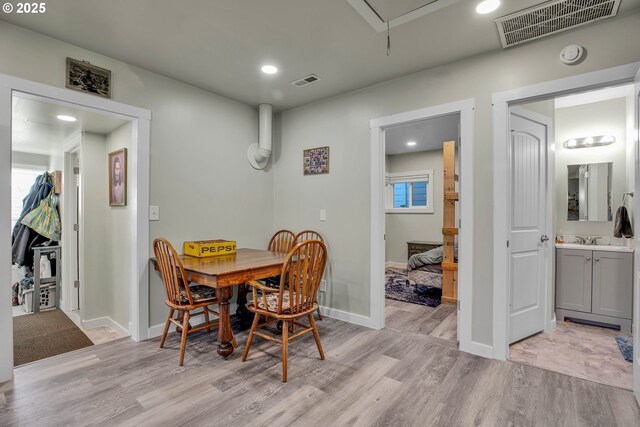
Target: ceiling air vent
x,y
311,78
552,17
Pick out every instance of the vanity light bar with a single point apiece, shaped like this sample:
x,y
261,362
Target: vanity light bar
x,y
591,141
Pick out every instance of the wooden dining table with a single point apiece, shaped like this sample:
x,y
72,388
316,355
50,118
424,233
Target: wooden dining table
x,y
223,273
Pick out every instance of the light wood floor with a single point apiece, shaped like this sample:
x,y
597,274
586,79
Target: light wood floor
x,y
404,375
582,351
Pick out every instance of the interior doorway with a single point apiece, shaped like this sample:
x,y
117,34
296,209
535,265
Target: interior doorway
x,y
462,115
414,215
584,282
65,256
590,263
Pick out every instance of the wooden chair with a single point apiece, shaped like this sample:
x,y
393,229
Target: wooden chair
x,y
295,298
282,241
309,235
182,297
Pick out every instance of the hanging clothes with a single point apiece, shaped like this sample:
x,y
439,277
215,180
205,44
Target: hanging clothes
x,y
23,238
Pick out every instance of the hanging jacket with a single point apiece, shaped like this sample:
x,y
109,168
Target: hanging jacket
x,y
622,227
23,238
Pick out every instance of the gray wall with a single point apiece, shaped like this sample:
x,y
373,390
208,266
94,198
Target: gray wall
x,y
403,227
200,176
597,118
343,123
95,233
19,158
119,247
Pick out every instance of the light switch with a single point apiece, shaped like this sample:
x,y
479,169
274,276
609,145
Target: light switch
x,y
323,215
154,213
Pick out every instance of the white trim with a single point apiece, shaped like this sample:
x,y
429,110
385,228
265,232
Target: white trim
x,y
345,316
501,102
479,349
465,250
139,200
105,322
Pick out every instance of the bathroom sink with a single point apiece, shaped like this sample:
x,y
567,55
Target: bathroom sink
x,y
610,248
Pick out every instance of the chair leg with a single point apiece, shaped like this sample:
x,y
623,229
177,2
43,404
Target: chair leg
x,y
185,331
285,345
166,327
247,346
206,317
316,335
319,314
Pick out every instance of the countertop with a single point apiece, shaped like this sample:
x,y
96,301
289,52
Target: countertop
x,y
606,248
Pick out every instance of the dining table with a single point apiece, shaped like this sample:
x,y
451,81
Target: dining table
x,y
224,272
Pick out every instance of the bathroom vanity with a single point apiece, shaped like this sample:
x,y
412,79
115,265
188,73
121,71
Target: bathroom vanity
x,y
595,284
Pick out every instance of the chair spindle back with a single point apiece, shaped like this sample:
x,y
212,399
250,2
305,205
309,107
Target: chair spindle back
x,y
282,241
308,235
301,274
170,264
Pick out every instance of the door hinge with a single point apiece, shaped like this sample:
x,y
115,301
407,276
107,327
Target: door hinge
x,y
76,170
507,243
76,284
76,227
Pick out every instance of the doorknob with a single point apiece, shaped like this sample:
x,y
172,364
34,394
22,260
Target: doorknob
x,y
544,238
597,259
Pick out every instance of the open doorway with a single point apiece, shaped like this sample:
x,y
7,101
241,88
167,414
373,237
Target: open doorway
x,y
414,220
70,253
458,228
589,155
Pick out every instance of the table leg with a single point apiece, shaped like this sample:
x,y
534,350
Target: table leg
x,y
225,335
242,300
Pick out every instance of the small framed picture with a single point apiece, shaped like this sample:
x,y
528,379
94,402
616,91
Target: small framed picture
x,y
316,161
85,77
118,178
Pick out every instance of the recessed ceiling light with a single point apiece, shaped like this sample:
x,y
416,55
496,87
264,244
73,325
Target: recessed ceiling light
x,y
411,143
66,118
487,6
269,69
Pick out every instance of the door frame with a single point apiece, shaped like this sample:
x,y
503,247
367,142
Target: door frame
x,y
138,201
69,242
502,102
465,108
549,248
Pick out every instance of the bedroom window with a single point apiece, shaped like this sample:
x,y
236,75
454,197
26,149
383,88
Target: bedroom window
x,y
409,192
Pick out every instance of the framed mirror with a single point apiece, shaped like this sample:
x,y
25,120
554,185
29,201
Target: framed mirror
x,y
589,197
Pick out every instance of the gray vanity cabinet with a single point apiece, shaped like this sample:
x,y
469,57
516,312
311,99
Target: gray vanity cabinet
x,y
595,286
612,284
573,271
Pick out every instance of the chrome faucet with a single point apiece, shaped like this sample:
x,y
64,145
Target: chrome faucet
x,y
580,240
591,240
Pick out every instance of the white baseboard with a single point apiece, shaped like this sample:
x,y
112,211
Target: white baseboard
x,y
478,349
395,264
345,316
156,330
106,321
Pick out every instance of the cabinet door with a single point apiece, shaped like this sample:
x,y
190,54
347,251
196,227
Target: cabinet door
x,y
613,284
573,280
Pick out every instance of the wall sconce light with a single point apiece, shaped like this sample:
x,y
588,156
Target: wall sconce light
x,y
591,141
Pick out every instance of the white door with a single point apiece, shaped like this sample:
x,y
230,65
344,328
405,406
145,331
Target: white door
x,y
75,262
635,328
528,245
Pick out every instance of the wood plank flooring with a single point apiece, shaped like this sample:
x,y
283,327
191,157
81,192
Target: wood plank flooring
x,y
583,351
406,374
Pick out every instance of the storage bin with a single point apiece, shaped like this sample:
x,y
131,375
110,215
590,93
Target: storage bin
x,y
207,248
47,299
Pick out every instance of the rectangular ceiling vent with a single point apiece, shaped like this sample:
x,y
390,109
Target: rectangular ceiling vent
x,y
552,17
311,78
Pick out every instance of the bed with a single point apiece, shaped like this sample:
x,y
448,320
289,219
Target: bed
x,y
424,270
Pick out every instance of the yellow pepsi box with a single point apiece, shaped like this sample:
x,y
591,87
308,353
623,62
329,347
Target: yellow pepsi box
x,y
207,248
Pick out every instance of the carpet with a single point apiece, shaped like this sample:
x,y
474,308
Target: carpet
x,y
625,344
45,334
397,287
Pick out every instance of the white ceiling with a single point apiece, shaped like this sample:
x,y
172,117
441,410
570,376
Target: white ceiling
x,y
36,129
220,45
428,134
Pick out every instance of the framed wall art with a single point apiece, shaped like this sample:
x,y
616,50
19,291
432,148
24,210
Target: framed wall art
x,y
85,77
316,161
118,178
